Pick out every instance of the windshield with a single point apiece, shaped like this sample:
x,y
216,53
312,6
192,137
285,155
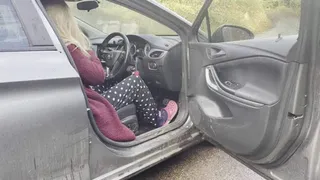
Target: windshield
x,y
110,17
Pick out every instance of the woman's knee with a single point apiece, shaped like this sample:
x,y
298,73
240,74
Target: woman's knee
x,y
135,79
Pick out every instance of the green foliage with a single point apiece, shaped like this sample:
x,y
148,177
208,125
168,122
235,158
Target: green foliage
x,y
256,15
188,9
245,13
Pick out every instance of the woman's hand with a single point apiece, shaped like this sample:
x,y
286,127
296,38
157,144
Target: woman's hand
x,y
136,73
89,68
107,72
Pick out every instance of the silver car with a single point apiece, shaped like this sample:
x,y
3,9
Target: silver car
x,y
256,98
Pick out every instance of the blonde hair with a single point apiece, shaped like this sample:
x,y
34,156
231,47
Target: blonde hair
x,y
67,27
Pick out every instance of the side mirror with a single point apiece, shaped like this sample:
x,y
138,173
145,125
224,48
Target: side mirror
x,y
87,5
228,33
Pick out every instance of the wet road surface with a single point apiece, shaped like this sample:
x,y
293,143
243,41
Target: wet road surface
x,y
203,162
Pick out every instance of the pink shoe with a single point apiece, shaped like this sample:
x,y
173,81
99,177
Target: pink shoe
x,y
137,73
168,113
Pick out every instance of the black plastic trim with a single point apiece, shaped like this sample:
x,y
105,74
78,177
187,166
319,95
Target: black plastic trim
x,y
34,48
32,23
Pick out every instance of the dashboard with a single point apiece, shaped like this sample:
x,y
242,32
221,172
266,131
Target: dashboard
x,y
157,58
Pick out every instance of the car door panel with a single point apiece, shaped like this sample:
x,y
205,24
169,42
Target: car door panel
x,y
250,78
238,95
44,123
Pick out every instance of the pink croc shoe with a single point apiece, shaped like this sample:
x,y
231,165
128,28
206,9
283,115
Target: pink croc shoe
x,y
168,113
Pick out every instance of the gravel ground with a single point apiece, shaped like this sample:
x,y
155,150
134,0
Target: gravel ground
x,y
203,162
285,25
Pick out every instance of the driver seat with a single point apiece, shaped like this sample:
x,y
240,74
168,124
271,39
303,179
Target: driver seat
x,y
129,118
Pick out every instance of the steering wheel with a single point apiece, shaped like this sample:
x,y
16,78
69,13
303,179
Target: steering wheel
x,y
115,59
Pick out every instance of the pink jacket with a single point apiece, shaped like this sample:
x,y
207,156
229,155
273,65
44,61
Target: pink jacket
x,y
92,73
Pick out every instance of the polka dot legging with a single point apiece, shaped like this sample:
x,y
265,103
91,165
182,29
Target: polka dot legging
x,y
131,90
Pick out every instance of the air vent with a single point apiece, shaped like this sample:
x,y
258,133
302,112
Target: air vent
x,y
156,54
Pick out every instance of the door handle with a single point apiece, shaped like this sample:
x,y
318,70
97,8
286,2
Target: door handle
x,y
211,80
219,54
215,53
214,83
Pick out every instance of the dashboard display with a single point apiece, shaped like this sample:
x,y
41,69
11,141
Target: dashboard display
x,y
147,49
133,49
140,52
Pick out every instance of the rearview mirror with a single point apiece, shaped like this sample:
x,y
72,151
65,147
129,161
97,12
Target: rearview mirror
x,y
87,5
228,33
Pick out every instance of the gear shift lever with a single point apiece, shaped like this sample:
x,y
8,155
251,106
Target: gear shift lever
x,y
136,72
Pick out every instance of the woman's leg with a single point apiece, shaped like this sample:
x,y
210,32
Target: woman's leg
x,y
103,88
133,90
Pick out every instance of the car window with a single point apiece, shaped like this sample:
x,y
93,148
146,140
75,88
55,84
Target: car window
x,y
12,35
265,18
188,9
110,17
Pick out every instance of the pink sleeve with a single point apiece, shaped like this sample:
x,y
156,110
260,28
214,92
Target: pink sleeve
x,y
90,68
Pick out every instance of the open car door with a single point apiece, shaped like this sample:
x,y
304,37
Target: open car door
x,y
254,98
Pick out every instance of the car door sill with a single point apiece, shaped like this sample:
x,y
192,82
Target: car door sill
x,y
179,121
173,146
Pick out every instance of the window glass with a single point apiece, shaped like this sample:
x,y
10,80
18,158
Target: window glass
x,y
188,9
110,17
265,18
12,35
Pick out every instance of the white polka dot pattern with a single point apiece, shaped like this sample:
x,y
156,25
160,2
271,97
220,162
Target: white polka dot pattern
x,y
131,90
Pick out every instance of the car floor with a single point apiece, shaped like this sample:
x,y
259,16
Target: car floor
x,y
161,97
143,129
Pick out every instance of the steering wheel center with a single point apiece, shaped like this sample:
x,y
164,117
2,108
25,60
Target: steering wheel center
x,y
116,59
